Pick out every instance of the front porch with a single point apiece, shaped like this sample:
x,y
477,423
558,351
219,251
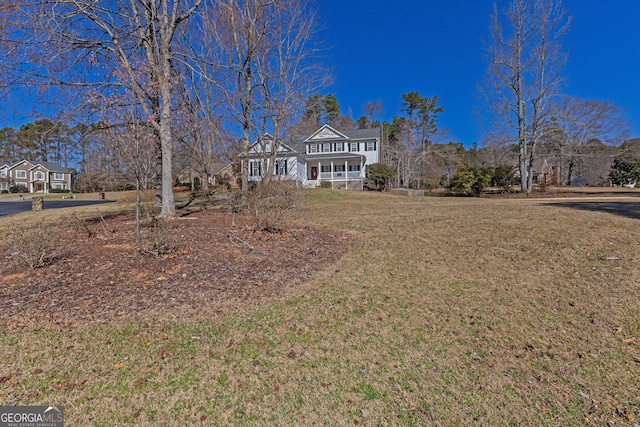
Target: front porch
x,y
331,171
39,187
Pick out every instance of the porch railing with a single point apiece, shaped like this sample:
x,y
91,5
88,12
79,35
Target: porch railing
x,y
340,176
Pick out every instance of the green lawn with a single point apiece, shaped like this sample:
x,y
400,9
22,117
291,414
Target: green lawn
x,y
446,311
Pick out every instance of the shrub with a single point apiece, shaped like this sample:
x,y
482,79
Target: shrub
x,y
59,190
470,180
34,244
158,240
268,203
380,174
504,176
625,171
18,189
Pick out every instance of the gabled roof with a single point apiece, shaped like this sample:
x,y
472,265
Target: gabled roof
x,y
51,167
21,162
219,167
325,133
283,148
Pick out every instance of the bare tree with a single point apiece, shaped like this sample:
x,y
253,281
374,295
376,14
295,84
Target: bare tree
x,y
270,48
524,75
575,123
372,110
121,45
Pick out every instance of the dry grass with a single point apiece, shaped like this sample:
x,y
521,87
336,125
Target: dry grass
x,y
448,312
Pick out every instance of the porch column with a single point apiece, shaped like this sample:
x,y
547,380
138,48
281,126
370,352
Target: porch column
x,y
332,174
346,175
318,178
361,168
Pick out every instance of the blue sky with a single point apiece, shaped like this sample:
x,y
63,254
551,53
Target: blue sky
x,y
381,49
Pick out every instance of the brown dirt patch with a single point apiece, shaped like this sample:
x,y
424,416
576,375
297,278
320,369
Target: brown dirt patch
x,y
106,278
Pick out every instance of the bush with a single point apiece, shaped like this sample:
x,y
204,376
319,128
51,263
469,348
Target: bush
x,y
33,245
18,189
470,180
380,174
59,190
625,171
504,176
268,203
158,240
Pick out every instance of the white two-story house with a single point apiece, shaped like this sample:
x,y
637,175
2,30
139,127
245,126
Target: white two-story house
x,y
328,158
338,159
287,164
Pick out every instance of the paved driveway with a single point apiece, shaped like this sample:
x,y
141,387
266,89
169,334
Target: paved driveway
x,y
14,207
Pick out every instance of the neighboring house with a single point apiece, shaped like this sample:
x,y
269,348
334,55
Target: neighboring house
x,y
188,175
548,175
219,171
4,178
38,177
328,158
224,172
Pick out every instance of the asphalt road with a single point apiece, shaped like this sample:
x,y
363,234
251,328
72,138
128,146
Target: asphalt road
x,y
14,207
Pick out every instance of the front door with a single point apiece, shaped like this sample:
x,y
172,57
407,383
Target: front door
x,y
314,173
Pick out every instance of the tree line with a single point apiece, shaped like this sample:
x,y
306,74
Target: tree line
x,y
140,88
164,77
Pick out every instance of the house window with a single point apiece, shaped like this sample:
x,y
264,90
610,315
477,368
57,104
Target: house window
x,y
281,167
21,174
58,186
339,146
338,168
58,176
3,173
371,146
325,168
353,146
21,184
354,168
39,176
255,168
3,186
326,148
313,148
